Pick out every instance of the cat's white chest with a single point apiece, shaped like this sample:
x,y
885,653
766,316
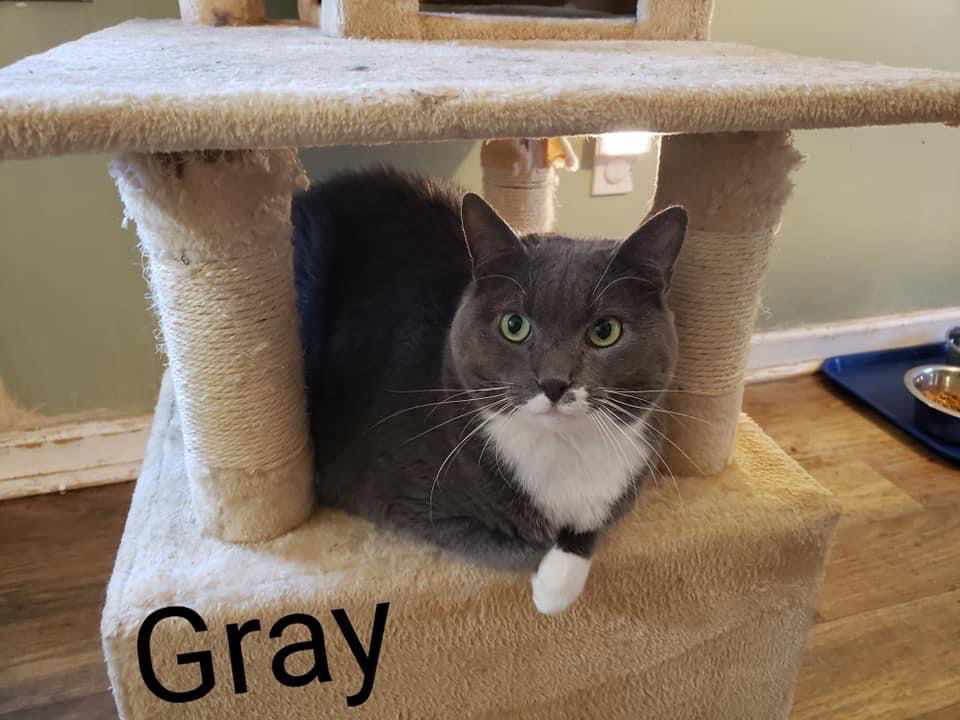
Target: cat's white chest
x,y
574,476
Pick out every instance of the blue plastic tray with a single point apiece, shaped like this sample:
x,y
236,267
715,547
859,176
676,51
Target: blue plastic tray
x,y
876,378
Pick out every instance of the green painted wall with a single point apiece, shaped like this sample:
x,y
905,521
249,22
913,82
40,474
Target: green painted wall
x,y
873,227
75,332
874,224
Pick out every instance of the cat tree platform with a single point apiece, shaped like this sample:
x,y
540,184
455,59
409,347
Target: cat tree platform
x,y
697,606
158,85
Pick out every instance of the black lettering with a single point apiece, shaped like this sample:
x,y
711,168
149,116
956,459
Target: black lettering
x,y
235,635
320,672
202,658
366,660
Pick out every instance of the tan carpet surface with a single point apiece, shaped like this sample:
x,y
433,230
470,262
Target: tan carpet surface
x,y
653,20
697,606
162,85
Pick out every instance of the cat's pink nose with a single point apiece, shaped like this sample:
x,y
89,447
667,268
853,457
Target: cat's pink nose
x,y
553,388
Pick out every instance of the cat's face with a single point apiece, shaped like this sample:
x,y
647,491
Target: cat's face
x,y
555,329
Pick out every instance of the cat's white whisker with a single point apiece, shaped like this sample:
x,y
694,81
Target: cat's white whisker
x,y
506,423
611,424
504,277
620,451
652,406
502,393
606,269
671,413
484,449
605,433
660,391
621,279
620,429
649,426
594,295
573,470
660,458
448,458
475,411
434,405
613,438
679,449
499,406
619,404
606,438
463,391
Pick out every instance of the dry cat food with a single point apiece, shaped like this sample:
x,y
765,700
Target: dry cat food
x,y
949,400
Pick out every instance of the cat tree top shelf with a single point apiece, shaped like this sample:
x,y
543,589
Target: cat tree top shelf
x,y
165,86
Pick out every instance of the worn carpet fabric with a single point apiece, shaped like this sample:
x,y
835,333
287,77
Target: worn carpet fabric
x,y
655,20
215,233
734,187
165,85
697,607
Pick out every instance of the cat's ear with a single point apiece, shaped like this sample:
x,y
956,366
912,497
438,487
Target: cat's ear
x,y
488,236
656,243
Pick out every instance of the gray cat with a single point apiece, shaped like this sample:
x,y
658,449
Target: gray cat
x,y
496,395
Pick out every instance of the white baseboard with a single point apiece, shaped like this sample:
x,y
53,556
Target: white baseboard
x,y
71,456
99,452
778,354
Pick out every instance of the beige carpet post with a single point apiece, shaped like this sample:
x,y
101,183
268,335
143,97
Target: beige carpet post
x,y
520,182
223,12
309,11
216,236
734,186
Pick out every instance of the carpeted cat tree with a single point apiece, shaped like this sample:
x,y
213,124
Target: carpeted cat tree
x,y
698,604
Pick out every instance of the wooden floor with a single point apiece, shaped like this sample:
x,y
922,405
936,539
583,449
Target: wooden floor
x,y
886,643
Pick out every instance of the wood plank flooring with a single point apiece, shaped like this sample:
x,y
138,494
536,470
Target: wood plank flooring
x,y
886,645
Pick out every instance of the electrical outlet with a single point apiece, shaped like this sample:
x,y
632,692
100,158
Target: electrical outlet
x,y
613,160
612,175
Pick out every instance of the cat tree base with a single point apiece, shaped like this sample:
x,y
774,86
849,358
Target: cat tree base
x,y
700,599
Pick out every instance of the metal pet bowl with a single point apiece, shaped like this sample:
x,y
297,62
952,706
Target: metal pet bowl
x,y
939,421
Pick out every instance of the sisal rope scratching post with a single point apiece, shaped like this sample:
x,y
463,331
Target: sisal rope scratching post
x,y
520,180
734,185
216,235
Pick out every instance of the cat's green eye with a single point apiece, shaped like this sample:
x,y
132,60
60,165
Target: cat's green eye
x,y
605,332
515,327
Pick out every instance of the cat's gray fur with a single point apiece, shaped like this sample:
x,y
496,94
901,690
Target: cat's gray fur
x,y
397,315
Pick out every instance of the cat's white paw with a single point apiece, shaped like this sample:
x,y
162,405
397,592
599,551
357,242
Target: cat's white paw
x,y
559,581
